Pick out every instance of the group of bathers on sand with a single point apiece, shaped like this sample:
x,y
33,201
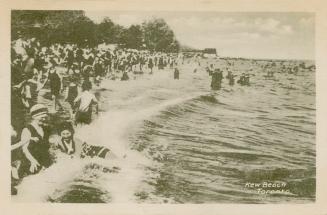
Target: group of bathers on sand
x,y
39,133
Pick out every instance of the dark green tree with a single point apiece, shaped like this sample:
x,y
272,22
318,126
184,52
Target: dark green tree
x,y
158,36
105,31
74,27
133,37
83,31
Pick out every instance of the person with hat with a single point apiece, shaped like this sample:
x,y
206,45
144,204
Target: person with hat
x,y
66,143
36,138
72,146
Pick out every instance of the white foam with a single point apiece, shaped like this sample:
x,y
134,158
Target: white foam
x,y
110,129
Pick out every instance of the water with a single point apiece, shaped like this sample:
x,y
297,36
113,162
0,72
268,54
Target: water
x,y
176,141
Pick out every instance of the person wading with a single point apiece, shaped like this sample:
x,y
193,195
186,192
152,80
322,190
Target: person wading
x,y
83,104
216,79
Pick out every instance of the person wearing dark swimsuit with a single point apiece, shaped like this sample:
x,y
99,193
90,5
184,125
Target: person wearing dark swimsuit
x,y
36,139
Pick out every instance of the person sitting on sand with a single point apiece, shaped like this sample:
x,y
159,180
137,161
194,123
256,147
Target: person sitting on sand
x,y
35,139
70,145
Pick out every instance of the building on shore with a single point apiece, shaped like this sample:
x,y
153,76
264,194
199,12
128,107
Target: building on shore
x,y
209,53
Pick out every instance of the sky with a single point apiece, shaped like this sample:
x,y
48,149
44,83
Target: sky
x,y
233,34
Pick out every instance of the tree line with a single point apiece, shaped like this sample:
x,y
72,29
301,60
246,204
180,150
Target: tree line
x,y
75,27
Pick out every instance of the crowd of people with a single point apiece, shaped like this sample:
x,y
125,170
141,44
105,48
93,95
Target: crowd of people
x,y
67,72
217,77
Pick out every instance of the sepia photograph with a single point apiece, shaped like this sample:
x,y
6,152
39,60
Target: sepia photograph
x,y
162,107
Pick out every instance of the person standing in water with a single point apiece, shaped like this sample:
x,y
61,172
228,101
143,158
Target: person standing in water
x,y
176,73
216,79
84,103
230,77
150,65
241,80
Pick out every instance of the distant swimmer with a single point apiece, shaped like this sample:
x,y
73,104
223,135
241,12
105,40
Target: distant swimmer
x,y
176,73
244,79
68,144
270,74
247,80
241,80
